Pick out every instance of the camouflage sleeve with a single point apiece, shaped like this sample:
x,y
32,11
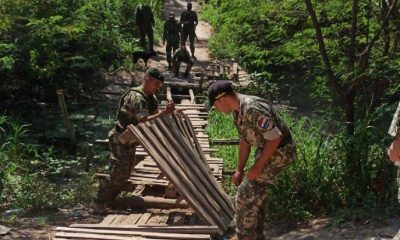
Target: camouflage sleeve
x,y
395,124
265,123
136,105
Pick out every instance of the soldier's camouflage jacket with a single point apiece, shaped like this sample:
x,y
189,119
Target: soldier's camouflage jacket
x,y
134,106
257,121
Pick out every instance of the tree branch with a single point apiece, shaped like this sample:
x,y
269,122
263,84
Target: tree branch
x,y
337,88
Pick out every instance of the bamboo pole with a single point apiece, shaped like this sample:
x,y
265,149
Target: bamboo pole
x,y
67,123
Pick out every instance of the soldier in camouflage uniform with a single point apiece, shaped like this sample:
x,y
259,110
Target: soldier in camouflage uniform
x,y
172,31
145,23
136,105
189,21
394,149
182,55
258,126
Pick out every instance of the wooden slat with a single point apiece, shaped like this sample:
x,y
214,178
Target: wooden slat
x,y
165,229
108,219
145,217
119,234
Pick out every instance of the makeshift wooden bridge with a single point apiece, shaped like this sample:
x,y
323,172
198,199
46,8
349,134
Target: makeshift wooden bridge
x,y
176,185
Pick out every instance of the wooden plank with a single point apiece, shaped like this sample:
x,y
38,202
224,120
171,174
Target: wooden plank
x,y
108,219
192,97
144,218
132,219
119,234
166,229
206,198
119,219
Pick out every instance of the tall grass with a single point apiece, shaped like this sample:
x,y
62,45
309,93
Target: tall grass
x,y
321,181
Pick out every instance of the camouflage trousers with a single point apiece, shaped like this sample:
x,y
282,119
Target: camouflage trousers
x,y
251,195
121,163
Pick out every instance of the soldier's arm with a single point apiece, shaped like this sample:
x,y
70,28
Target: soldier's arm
x,y
270,147
165,32
196,20
152,18
169,109
244,152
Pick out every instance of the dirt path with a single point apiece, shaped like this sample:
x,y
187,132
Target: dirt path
x,y
203,32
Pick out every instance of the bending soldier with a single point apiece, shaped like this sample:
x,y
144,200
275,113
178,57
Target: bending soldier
x,y
182,55
145,23
172,31
259,126
136,105
189,21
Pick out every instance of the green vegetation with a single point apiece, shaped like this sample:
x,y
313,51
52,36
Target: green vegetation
x,y
51,44
345,78
35,179
321,181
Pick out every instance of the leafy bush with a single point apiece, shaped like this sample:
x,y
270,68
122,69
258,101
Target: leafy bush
x,y
46,44
32,179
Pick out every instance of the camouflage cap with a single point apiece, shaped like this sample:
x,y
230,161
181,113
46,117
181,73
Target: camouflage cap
x,y
155,73
218,89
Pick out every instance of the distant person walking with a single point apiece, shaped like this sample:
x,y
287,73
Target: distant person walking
x,y
172,34
145,23
189,22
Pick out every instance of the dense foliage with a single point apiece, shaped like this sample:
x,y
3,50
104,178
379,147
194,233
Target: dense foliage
x,y
321,180
51,44
346,77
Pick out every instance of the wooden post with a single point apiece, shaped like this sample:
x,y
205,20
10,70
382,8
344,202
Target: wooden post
x,y
169,95
89,157
235,74
67,124
192,99
221,71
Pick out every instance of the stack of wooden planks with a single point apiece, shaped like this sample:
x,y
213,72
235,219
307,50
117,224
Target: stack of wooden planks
x,y
171,142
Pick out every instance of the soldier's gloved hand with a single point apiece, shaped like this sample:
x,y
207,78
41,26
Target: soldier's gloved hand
x,y
237,177
169,108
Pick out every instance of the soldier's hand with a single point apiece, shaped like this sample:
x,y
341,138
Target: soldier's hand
x,y
169,108
254,172
237,177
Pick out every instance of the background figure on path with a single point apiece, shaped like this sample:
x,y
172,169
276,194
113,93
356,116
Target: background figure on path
x,y
393,151
182,55
172,34
189,22
259,126
145,23
137,105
